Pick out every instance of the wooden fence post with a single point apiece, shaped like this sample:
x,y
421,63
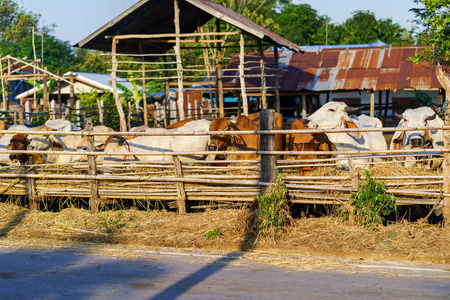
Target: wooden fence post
x,y
33,203
181,194
446,183
267,122
92,167
100,111
20,112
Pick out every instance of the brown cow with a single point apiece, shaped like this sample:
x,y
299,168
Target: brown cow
x,y
179,124
219,142
280,139
307,142
242,142
245,141
21,142
3,126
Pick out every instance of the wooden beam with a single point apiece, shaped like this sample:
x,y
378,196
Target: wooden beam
x,y
180,100
241,75
219,74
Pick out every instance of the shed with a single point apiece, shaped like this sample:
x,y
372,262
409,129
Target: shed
x,y
82,83
150,29
379,78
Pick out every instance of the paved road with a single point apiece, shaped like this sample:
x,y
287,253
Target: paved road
x,y
79,274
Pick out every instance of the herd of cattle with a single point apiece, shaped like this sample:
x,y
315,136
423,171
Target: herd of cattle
x,y
332,115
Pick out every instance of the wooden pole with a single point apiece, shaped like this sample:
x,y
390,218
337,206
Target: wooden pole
x,y
267,122
45,92
72,97
181,193
277,81
92,168
129,115
241,75
304,114
123,124
219,73
58,84
20,113
33,203
177,49
263,75
444,80
100,111
372,104
144,96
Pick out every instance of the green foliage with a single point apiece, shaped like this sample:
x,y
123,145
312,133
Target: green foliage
x,y
423,98
213,234
371,202
434,16
110,222
273,210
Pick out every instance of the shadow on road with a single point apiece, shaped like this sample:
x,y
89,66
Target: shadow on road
x,y
182,286
13,223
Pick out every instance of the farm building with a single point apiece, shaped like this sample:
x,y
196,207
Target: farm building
x,y
379,78
175,32
82,83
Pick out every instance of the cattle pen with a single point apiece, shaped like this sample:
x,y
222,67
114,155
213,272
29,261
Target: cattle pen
x,y
191,184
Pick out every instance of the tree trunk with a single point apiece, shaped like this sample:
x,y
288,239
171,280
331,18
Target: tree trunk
x,y
444,80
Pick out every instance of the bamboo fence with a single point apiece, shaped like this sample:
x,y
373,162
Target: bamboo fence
x,y
185,183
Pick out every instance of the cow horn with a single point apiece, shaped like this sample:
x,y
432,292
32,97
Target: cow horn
x,y
431,117
352,109
397,115
435,109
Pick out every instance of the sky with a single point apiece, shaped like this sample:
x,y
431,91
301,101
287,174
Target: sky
x,y
75,20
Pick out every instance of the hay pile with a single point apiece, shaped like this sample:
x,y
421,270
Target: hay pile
x,y
325,236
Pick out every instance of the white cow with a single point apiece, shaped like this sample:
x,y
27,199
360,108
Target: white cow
x,y
334,115
58,142
418,139
4,141
62,125
161,143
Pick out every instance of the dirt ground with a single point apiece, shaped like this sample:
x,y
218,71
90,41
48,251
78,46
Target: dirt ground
x,y
224,229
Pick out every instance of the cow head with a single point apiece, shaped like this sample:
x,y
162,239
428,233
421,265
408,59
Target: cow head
x,y
333,115
415,139
219,142
18,142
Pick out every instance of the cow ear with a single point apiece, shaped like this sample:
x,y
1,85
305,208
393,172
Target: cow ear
x,y
428,139
238,141
8,147
398,142
57,146
348,123
38,160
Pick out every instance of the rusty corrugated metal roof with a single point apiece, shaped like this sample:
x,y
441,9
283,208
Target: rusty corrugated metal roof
x,y
353,69
156,16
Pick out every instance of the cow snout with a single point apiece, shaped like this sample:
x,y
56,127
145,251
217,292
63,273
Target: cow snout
x,y
416,142
212,148
12,157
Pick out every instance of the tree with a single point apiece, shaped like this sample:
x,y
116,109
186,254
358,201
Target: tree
x,y
15,22
364,28
435,18
306,22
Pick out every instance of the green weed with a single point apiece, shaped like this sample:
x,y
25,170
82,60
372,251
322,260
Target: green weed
x,y
213,233
273,210
371,203
109,223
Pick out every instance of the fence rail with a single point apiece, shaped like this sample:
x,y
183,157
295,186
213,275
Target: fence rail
x,y
219,181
